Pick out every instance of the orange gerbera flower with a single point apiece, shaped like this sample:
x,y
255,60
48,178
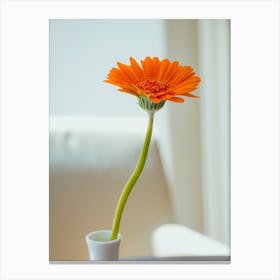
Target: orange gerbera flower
x,y
156,80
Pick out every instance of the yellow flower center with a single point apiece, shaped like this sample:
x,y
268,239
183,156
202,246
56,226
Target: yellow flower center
x,y
151,86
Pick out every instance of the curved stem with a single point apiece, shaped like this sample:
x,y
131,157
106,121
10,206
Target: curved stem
x,y
132,179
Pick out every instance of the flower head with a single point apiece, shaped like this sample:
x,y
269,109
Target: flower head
x,y
156,80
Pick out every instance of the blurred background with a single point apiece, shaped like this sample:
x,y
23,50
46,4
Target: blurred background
x,y
96,134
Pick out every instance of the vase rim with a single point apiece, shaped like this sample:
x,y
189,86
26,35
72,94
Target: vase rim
x,y
100,234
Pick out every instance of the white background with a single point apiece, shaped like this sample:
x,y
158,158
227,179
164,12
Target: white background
x,y
254,138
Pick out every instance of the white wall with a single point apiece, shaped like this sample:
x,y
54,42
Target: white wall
x,y
179,126
214,54
81,54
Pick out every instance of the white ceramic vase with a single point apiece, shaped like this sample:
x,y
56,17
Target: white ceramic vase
x,y
101,248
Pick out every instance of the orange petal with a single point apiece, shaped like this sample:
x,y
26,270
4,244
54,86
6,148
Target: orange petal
x,y
128,91
163,67
171,71
177,99
183,74
136,69
156,66
189,95
147,67
155,99
127,72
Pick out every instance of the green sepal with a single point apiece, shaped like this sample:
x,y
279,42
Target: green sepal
x,y
151,107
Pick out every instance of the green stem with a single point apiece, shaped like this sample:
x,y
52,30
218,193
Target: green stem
x,y
132,179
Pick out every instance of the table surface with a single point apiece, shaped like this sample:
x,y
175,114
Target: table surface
x,y
159,260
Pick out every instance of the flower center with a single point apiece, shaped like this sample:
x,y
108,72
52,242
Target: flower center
x,y
151,86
